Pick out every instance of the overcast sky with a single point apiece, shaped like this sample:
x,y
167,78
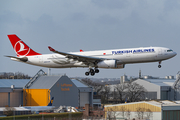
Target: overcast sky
x,y
71,25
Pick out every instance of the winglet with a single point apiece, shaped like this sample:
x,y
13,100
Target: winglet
x,y
81,50
51,49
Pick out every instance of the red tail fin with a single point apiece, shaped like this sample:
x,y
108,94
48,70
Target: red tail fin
x,y
20,47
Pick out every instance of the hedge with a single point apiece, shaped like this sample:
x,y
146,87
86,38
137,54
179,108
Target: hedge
x,y
56,116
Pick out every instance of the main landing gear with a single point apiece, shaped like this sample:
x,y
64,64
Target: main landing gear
x,y
159,66
92,71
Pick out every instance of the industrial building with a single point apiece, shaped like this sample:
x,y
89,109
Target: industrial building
x,y
11,92
152,110
159,89
66,92
162,89
39,90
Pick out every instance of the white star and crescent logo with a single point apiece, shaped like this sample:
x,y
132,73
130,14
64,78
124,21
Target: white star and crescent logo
x,y
21,49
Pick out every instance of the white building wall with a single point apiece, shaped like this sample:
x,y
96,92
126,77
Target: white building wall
x,y
84,98
154,115
150,87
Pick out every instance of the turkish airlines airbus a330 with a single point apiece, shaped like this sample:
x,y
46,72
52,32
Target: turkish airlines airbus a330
x,y
114,59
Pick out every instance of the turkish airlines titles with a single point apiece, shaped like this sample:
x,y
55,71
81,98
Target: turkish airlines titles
x,y
133,51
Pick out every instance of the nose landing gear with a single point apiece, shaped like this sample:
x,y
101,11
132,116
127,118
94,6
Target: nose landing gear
x,y
159,66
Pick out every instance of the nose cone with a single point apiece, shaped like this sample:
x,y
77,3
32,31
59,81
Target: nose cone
x,y
174,54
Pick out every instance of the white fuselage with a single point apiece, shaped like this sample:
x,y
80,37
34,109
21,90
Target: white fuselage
x,y
122,56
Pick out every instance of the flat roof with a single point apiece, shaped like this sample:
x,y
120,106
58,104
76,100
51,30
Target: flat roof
x,y
153,102
18,83
161,82
78,83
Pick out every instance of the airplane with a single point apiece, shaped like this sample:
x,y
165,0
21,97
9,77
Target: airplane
x,y
40,108
112,59
33,109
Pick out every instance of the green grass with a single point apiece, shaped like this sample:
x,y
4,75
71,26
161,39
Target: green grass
x,y
57,116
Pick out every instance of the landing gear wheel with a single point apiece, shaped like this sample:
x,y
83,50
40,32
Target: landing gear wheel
x,y
86,73
159,66
96,70
92,73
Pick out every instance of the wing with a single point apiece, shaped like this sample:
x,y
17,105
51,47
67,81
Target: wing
x,y
81,58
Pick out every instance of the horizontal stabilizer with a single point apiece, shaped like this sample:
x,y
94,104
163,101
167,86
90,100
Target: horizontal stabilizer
x,y
23,59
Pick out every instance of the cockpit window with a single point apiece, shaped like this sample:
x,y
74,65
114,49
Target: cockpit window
x,y
169,50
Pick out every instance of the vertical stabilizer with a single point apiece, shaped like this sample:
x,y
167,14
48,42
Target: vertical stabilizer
x,y
20,47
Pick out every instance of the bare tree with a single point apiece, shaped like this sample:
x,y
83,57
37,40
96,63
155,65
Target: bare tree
x,y
128,113
100,89
120,90
115,96
97,87
87,81
17,75
140,112
135,92
149,113
105,94
123,110
8,111
112,113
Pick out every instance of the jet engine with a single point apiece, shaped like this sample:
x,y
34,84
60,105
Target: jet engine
x,y
110,64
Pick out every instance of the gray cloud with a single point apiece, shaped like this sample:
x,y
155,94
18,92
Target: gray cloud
x,y
91,25
115,4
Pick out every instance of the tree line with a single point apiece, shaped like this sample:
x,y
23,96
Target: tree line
x,y
16,75
141,113
119,93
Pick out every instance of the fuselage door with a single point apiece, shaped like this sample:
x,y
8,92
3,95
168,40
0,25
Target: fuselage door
x,y
128,57
127,54
159,51
40,59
